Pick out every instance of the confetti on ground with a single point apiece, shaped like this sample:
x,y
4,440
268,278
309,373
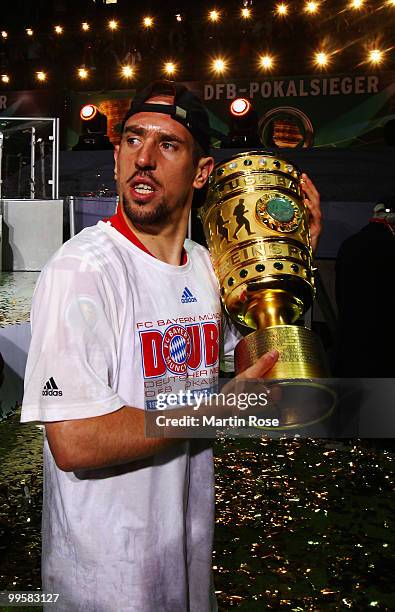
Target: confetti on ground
x,y
16,290
302,525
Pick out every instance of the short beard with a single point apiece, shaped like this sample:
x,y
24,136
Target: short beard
x,y
139,216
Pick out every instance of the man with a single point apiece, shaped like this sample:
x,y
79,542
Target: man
x,y
364,266
123,311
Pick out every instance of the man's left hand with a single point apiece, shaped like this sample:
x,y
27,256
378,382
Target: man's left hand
x,y
312,201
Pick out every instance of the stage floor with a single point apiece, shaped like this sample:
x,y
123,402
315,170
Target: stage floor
x,y
16,291
300,524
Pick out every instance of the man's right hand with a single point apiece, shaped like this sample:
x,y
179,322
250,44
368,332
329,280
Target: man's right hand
x,y
261,367
253,380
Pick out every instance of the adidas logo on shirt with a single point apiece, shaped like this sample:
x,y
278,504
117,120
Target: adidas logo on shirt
x,y
51,388
187,297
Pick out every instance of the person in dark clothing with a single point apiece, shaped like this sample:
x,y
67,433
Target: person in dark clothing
x,y
366,302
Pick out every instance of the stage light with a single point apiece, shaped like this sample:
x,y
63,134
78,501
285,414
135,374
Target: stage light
x,y
88,111
112,24
321,59
311,7
5,78
41,76
148,22
391,2
170,68
4,34
243,125
179,17
127,71
357,4
245,13
214,16
93,128
376,57
85,26
218,65
266,62
282,9
29,32
240,107
83,73
58,29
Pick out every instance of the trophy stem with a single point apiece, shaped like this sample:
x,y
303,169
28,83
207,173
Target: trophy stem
x,y
272,307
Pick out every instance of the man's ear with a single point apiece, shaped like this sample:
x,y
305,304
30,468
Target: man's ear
x,y
204,169
116,152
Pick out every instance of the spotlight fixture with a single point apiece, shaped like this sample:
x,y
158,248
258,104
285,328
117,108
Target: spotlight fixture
x,y
88,111
41,75
83,73
243,125
148,22
311,7
376,56
240,107
282,9
266,62
127,71
93,136
170,68
321,59
58,29
85,26
214,16
112,24
219,65
5,78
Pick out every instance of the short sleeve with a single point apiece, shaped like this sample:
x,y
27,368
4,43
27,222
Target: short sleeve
x,y
72,360
230,337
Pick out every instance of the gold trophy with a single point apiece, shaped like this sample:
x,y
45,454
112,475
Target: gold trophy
x,y
257,229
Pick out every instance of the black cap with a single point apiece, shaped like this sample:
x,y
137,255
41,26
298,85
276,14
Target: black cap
x,y
187,109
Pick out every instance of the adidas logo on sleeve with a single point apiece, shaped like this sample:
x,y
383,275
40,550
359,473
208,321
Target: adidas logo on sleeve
x,y
51,388
187,297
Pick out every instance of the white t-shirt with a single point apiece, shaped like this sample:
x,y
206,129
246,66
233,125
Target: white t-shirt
x,y
113,326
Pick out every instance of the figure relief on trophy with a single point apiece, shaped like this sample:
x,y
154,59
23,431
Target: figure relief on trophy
x,y
220,226
242,221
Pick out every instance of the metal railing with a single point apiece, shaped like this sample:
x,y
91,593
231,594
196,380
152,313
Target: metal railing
x,y
29,158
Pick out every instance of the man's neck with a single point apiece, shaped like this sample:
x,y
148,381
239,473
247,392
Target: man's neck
x,y
165,244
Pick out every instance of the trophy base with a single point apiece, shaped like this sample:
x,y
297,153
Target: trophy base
x,y
301,352
302,402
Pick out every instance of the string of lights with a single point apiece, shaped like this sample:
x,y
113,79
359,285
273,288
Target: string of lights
x,y
216,15
219,66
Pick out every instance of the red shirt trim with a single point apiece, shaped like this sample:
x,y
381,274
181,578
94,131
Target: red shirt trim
x,y
118,222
